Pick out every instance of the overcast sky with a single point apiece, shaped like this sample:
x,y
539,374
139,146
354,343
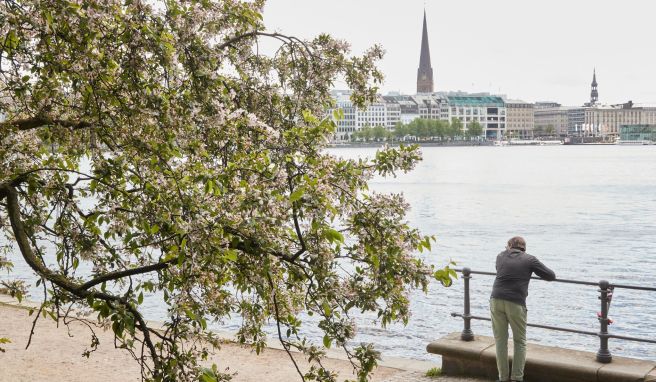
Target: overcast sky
x,y
526,49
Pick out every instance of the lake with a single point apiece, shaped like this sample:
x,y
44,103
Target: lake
x,y
587,212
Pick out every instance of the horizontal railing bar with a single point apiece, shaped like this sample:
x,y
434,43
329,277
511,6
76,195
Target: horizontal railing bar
x,y
569,281
631,338
534,325
633,287
627,338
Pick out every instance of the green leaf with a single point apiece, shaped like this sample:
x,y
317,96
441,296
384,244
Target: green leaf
x,y
231,255
11,41
190,313
296,195
207,378
333,235
209,186
327,341
375,260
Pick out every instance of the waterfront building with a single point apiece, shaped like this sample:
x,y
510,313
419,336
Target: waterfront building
x,y
520,120
425,71
378,113
576,121
488,110
551,118
644,133
605,120
425,106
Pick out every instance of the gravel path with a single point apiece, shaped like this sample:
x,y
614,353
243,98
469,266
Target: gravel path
x,y
414,376
55,354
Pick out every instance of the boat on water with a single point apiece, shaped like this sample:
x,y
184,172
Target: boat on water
x,y
643,142
528,142
523,142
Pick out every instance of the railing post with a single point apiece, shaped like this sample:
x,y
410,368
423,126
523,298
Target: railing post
x,y
467,334
603,355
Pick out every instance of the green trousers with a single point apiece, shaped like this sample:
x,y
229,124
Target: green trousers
x,y
506,313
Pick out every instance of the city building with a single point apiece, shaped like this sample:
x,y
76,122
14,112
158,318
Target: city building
x,y
425,70
378,113
425,106
520,119
576,121
605,120
551,118
499,118
641,134
488,110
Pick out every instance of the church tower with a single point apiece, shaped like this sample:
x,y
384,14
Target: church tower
x,y
594,95
425,71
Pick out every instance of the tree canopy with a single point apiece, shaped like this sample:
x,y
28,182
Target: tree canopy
x,y
429,129
150,152
474,129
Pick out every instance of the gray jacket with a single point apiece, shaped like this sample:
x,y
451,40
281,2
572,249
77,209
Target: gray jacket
x,y
514,270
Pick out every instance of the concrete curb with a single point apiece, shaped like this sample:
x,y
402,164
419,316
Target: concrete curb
x,y
543,363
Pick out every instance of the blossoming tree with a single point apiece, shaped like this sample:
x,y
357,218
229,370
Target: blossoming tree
x,y
148,151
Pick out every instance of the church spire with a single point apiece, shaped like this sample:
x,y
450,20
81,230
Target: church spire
x,y
594,94
425,71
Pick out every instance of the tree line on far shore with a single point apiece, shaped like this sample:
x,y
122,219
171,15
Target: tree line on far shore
x,y
437,130
420,129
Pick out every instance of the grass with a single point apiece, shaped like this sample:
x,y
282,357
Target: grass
x,y
434,372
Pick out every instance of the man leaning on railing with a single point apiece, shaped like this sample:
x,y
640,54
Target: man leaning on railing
x,y
508,304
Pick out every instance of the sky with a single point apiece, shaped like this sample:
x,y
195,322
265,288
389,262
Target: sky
x,y
526,49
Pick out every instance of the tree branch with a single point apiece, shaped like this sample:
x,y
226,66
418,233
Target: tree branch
x,y
36,122
22,238
284,343
284,38
125,273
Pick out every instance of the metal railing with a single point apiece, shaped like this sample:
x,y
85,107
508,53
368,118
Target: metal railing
x,y
605,296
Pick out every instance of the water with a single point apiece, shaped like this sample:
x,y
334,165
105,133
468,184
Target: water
x,y
589,213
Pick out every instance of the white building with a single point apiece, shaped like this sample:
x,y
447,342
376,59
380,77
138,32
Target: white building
x,y
387,111
488,110
379,113
425,106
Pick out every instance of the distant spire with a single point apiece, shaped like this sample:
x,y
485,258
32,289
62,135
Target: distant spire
x,y
594,94
425,71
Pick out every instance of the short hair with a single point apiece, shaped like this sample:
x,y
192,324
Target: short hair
x,y
517,242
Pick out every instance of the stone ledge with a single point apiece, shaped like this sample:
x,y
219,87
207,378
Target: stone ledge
x,y
543,363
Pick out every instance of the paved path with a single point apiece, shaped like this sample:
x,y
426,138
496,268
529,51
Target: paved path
x,y
415,376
